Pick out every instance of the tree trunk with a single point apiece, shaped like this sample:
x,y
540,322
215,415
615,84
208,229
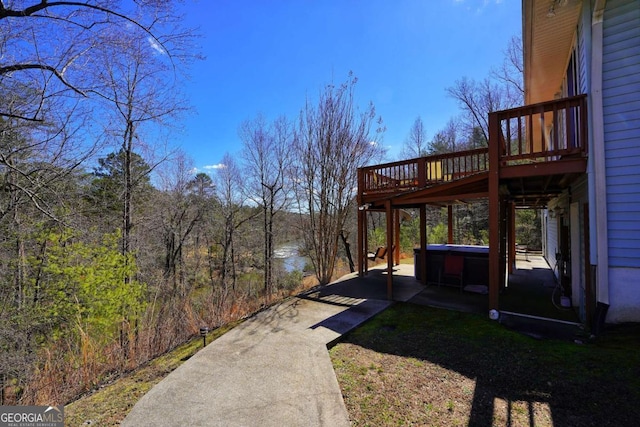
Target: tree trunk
x,y
347,250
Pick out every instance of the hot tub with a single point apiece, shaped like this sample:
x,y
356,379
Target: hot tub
x,y
476,262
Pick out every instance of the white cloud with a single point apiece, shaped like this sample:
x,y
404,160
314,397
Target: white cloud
x,y
474,4
213,167
156,46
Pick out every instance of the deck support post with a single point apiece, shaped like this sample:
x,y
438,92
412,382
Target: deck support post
x,y
396,233
511,215
389,217
450,224
423,244
494,211
362,232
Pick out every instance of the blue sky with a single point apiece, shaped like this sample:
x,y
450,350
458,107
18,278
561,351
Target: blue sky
x,y
269,56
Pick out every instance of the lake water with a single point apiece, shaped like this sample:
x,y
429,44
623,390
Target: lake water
x,y
290,257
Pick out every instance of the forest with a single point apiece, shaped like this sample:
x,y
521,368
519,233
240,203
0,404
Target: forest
x,y
113,250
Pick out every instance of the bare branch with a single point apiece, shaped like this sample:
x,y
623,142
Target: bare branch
x,y
22,67
20,117
44,4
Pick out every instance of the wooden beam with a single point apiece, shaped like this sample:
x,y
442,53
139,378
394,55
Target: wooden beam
x,y
556,167
423,244
396,234
450,224
511,218
389,218
362,230
494,210
443,198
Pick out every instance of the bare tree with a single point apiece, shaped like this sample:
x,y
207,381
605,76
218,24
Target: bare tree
x,y
233,214
139,100
48,47
180,213
501,90
266,150
333,139
511,72
445,140
478,99
202,192
416,144
52,63
139,103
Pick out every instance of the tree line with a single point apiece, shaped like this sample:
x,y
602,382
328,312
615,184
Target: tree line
x,y
112,250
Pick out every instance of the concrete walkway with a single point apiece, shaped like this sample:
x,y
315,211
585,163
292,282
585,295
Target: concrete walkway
x,y
274,369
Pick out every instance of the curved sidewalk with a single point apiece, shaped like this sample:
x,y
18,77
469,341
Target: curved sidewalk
x,y
274,369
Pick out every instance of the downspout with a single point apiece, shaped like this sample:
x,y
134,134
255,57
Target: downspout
x,y
597,176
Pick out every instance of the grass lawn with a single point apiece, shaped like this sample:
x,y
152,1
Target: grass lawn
x,y
415,365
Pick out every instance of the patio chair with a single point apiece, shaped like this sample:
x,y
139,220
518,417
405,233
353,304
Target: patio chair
x,y
452,268
381,252
522,249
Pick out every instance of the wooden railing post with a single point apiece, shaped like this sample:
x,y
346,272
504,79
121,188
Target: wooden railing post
x,y
422,172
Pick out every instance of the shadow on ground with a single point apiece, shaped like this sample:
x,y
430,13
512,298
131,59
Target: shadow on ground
x,y
551,382
526,302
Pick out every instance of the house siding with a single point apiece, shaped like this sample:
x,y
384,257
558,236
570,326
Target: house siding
x,y
621,102
621,105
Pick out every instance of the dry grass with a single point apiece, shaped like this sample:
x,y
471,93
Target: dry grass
x,y
422,366
111,403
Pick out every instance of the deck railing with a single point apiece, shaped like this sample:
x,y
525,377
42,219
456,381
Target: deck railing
x,y
423,171
541,132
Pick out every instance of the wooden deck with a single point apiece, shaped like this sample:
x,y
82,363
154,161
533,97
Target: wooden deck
x,y
541,149
534,153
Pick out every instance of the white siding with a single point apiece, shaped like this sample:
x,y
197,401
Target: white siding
x,y
551,239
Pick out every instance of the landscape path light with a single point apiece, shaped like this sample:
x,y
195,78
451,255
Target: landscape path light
x,y
204,330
